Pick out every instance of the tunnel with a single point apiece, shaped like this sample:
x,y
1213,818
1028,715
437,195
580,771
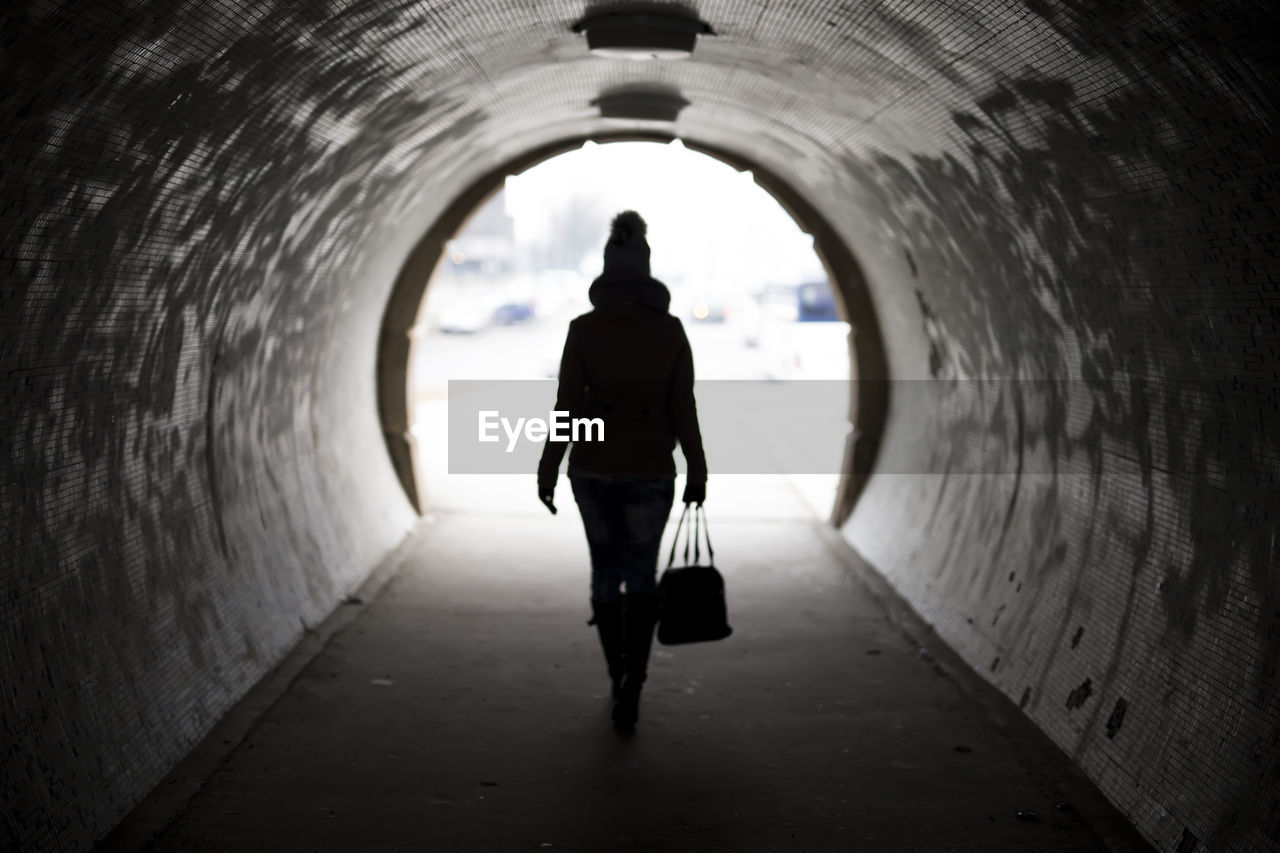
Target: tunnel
x,y
1052,225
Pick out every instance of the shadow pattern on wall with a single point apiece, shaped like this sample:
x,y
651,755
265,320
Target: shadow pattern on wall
x,y
1100,296
185,196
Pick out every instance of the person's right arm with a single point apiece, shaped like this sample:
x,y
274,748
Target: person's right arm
x,y
684,414
569,398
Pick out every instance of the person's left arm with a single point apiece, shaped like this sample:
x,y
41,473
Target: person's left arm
x,y
684,414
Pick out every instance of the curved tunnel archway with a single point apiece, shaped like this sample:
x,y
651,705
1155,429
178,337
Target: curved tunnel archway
x,y
1065,213
868,408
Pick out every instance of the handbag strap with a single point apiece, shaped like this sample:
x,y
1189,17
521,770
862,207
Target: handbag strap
x,y
671,558
696,532
697,514
706,531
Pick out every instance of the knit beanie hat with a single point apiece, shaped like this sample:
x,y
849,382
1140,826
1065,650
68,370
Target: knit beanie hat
x,y
627,253
626,268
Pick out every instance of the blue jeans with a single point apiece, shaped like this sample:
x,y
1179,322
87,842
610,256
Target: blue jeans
x,y
624,518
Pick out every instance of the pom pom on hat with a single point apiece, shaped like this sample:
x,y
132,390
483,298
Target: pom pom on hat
x,y
627,227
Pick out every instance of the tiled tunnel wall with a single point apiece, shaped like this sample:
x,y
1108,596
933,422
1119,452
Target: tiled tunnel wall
x,y
1067,219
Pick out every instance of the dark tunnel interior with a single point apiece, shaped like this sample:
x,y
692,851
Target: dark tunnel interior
x,y
1053,225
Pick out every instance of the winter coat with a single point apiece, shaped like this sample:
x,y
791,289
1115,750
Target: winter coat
x,y
628,362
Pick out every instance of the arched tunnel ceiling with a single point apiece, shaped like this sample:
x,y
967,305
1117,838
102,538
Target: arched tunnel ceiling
x,y
206,205
377,112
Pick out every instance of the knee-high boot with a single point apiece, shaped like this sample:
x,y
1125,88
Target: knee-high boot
x,y
640,615
607,617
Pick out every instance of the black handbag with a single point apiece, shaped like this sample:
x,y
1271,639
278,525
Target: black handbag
x,y
693,607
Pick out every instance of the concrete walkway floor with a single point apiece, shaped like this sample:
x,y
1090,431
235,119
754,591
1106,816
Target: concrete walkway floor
x,y
464,707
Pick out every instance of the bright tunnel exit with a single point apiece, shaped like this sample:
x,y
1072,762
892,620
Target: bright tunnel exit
x,y
767,329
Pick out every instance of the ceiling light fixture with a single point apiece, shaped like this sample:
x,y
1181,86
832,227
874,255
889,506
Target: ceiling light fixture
x,y
641,35
647,103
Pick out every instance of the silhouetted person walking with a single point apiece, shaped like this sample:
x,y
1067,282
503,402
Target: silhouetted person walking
x,y
627,362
